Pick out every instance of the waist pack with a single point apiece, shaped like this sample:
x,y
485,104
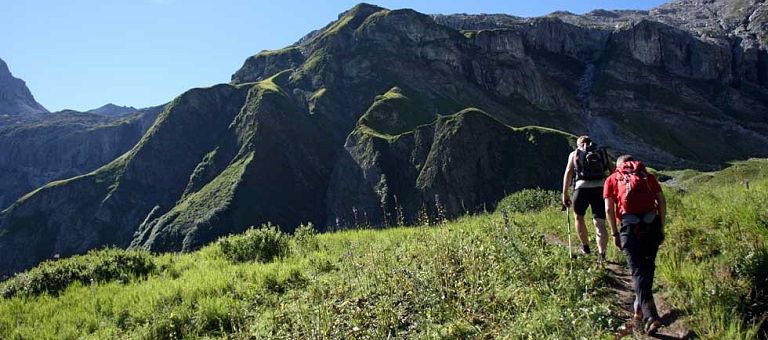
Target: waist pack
x,y
643,226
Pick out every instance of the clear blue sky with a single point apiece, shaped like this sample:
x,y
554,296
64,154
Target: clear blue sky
x,y
81,54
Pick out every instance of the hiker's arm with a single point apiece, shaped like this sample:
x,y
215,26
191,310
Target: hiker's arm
x,y
662,207
567,180
610,215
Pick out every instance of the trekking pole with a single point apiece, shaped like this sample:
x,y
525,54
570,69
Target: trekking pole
x,y
568,217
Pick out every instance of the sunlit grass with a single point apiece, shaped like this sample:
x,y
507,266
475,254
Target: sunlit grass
x,y
471,277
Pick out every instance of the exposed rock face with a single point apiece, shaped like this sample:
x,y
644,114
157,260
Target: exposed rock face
x,y
381,178
15,98
384,112
686,74
61,145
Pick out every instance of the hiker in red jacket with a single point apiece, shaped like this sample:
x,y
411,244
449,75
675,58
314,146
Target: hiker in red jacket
x,y
642,212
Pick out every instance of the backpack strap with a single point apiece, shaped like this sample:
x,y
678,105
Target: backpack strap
x,y
579,159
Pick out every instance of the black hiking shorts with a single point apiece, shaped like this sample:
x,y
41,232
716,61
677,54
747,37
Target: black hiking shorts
x,y
584,197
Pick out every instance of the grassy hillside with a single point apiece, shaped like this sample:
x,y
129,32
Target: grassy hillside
x,y
715,259
475,276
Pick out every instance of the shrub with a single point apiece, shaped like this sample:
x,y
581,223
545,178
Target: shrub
x,y
305,237
103,265
215,316
280,282
753,267
528,200
262,245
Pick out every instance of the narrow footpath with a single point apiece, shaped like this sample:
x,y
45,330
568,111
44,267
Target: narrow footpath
x,y
621,288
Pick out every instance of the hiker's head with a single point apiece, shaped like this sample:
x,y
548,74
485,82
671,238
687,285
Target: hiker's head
x,y
624,158
583,141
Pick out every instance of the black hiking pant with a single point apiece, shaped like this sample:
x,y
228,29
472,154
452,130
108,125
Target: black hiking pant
x,y
640,241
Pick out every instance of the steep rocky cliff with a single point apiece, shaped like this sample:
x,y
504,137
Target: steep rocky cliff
x,y
680,85
60,145
384,112
15,98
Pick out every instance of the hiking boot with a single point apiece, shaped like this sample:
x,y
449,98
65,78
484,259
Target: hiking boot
x,y
585,249
601,259
638,315
652,326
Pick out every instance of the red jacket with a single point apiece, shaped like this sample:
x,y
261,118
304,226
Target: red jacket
x,y
637,201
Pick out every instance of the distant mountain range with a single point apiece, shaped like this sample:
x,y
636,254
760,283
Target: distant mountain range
x,y
383,115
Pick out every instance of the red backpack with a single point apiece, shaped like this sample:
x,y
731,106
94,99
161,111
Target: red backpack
x,y
635,194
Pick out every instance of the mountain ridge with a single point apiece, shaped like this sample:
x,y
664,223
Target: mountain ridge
x,y
110,109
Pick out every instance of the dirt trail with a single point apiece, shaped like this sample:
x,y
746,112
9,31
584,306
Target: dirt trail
x,y
621,289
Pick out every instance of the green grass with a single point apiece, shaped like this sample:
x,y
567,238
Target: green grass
x,y
473,277
394,113
529,200
287,50
715,260
213,196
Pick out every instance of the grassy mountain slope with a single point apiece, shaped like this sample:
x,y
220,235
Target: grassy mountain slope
x,y
467,278
277,173
111,200
715,259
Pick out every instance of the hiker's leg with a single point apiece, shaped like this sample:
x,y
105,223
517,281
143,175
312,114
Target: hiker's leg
x,y
632,256
647,268
580,204
631,253
581,229
597,203
651,249
601,235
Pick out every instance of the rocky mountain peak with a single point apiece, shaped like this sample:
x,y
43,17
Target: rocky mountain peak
x,y
15,97
362,10
4,71
113,110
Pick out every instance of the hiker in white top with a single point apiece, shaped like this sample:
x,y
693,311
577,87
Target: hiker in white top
x,y
590,165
